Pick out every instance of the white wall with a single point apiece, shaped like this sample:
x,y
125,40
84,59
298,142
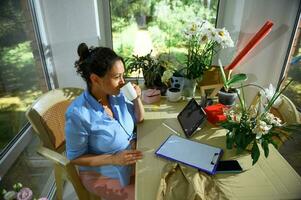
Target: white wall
x,y
243,18
66,23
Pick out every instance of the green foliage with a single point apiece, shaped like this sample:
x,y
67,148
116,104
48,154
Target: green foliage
x,y
12,23
119,23
255,125
18,56
167,20
230,81
151,67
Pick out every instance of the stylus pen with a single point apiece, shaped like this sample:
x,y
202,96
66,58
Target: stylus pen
x,y
171,129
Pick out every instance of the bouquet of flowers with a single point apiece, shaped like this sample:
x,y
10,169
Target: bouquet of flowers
x,y
255,125
203,41
19,193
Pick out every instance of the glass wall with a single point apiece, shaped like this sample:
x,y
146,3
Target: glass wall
x,y
142,26
22,80
294,71
21,74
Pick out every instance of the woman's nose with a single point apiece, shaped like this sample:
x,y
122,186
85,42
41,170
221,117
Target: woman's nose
x,y
122,80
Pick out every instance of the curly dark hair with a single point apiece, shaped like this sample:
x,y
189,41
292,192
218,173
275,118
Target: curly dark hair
x,y
97,60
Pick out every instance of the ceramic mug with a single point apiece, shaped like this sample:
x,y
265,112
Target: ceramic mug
x,y
173,94
129,91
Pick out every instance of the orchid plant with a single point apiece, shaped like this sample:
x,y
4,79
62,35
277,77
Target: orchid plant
x,y
250,126
231,80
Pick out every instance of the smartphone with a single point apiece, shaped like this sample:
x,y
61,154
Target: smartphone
x,y
228,166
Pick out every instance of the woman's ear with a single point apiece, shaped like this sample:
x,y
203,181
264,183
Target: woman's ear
x,y
94,78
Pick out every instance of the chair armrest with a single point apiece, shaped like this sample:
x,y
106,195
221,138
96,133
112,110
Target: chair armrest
x,y
53,156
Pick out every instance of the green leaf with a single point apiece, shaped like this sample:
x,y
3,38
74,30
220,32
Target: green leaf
x,y
265,146
237,78
255,152
223,74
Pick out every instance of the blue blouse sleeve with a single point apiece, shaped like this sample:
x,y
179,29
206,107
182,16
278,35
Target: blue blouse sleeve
x,y
76,136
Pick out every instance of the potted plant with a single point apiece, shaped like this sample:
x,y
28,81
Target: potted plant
x,y
151,67
250,126
203,41
228,93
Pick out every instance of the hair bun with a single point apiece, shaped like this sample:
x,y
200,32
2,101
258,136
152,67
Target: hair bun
x,y
82,51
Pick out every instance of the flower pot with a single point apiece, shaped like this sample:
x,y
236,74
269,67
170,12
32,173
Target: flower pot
x,y
227,98
189,87
173,94
151,96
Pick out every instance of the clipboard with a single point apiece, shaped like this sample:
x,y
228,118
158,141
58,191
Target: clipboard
x,y
201,156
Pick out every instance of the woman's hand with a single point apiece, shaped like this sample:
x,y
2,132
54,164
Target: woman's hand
x,y
127,157
137,89
138,106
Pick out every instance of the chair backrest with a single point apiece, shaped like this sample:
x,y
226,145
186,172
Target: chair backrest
x,y
47,116
288,111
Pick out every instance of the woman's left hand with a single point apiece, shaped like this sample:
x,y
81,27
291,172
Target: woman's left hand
x,y
137,89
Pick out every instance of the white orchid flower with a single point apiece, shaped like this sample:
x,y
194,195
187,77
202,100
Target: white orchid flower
x,y
261,128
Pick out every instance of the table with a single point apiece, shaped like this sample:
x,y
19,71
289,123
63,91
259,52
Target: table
x,y
270,178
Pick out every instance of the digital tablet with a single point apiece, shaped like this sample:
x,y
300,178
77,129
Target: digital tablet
x,y
191,117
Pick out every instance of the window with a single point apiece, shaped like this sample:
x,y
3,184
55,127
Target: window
x,y
141,26
21,74
294,71
22,80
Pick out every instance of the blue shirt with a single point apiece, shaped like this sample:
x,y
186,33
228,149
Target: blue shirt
x,y
90,130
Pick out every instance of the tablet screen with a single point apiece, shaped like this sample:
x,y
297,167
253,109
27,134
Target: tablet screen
x,y
191,117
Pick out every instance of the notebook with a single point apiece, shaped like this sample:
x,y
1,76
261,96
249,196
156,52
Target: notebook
x,y
191,117
201,156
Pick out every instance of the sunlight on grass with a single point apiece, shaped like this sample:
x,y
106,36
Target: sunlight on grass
x,y
126,37
19,56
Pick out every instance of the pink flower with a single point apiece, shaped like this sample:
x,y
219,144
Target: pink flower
x,y
43,198
24,194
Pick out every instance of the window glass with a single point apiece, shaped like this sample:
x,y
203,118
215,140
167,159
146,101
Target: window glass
x,y
140,26
294,72
31,170
21,75
21,82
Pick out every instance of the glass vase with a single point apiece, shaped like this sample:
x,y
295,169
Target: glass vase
x,y
189,87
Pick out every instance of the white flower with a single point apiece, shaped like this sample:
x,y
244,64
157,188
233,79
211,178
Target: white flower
x,y
261,128
271,119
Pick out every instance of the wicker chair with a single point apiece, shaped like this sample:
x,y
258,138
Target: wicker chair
x,y
47,117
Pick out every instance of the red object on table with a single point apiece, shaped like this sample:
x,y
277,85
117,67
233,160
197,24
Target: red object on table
x,y
215,113
265,29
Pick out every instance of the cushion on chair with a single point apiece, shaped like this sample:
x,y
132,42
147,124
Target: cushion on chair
x,y
54,118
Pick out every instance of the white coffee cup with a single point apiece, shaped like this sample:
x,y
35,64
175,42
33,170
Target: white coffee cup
x,y
129,91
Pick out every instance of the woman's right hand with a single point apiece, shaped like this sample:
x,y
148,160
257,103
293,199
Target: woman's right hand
x,y
127,157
